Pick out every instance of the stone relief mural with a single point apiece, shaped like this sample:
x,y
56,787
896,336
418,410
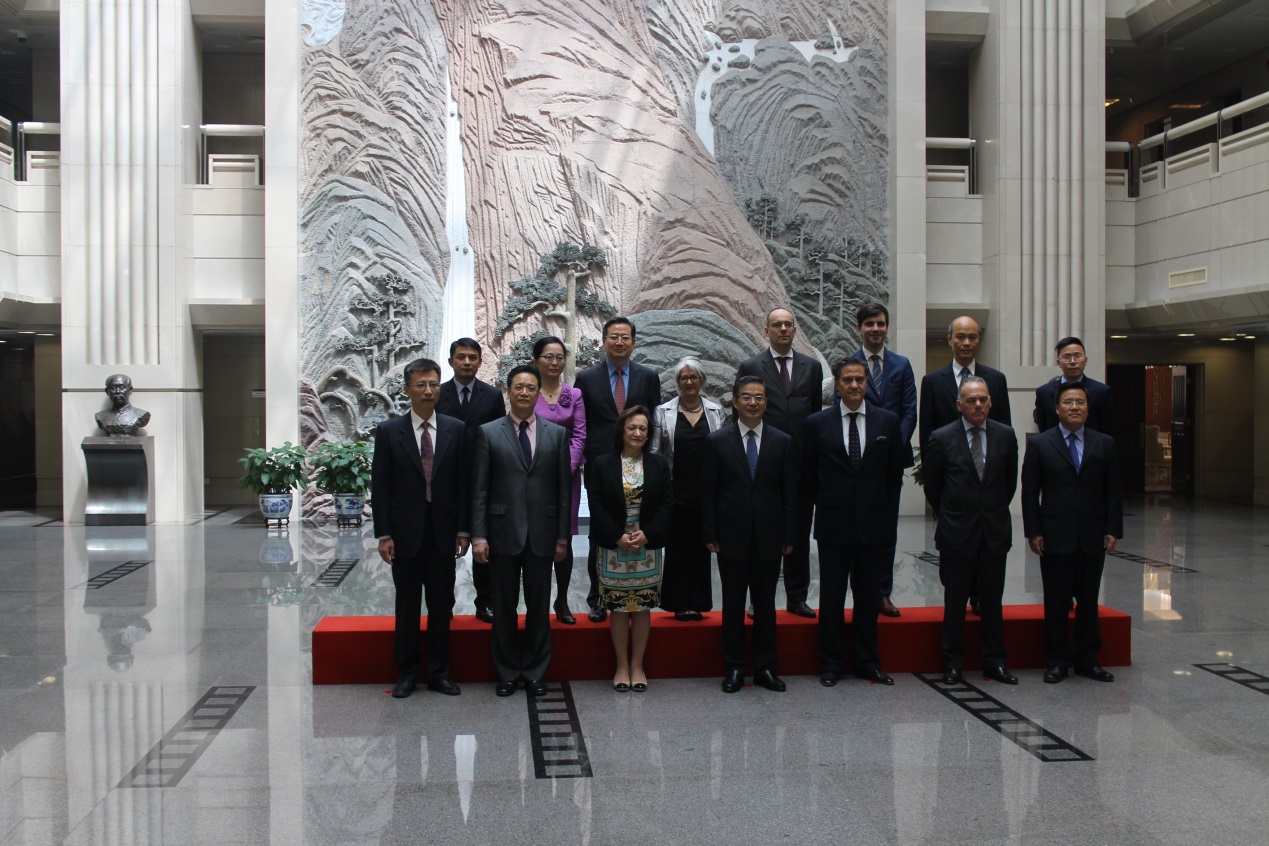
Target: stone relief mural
x,y
723,157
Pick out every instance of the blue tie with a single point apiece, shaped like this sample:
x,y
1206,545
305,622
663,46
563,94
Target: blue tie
x,y
1075,453
856,454
751,452
524,443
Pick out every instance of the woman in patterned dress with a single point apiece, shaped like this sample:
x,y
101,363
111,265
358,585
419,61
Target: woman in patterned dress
x,y
630,498
562,404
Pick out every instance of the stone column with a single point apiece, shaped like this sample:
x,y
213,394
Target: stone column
x,y
130,100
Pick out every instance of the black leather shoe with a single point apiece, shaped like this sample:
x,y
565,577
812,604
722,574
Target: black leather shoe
x,y
1000,674
688,616
444,686
484,615
597,615
564,615
733,681
535,688
974,607
952,676
769,680
1053,675
874,676
829,678
802,610
887,607
1095,673
403,688
505,688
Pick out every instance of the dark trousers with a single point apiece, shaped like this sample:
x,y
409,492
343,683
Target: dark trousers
x,y
429,573
516,654
592,593
756,577
859,565
482,581
887,560
958,574
797,564
687,584
563,576
1078,575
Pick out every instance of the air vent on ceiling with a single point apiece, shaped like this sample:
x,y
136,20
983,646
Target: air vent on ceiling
x,y
1182,278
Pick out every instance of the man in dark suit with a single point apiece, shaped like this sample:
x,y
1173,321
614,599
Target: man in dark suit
x,y
475,403
892,386
940,388
971,474
795,391
608,388
520,514
419,492
748,516
852,456
1072,358
1072,515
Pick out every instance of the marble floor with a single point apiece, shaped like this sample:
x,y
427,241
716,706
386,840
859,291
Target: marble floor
x,y
169,702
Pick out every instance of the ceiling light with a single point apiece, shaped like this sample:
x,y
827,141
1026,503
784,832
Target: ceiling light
x,y
1118,337
1224,653
26,331
1185,334
45,335
1111,101
1187,105
1249,337
1227,339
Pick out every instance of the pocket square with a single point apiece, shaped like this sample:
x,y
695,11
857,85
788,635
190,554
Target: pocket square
x,y
882,438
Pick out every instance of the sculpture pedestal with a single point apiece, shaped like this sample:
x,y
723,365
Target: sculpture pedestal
x,y
119,488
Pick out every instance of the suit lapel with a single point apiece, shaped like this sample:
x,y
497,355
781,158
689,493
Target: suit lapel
x,y
513,440
1057,437
773,373
405,432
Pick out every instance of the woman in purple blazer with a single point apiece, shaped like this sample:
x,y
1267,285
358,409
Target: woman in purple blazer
x,y
562,404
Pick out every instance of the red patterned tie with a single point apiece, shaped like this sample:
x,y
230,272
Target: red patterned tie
x,y
619,393
784,373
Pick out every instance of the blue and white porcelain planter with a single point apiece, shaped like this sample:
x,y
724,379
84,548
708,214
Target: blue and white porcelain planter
x,y
349,506
276,506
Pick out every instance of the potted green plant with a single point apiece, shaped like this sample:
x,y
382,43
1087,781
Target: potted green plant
x,y
343,471
274,474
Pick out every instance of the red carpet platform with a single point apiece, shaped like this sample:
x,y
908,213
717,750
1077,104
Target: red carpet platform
x,y
358,650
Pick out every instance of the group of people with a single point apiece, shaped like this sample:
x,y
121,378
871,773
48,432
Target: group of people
x,y
672,484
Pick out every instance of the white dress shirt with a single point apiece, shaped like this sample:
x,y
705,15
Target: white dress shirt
x,y
861,423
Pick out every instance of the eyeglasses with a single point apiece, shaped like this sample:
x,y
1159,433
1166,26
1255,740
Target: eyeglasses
x,y
1072,358
420,386
690,377
752,398
523,389
784,324
551,359
1074,403
976,400
619,338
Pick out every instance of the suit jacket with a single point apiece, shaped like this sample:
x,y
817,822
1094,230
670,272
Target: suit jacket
x,y
788,410
939,390
485,406
665,418
1072,511
398,489
898,394
740,513
970,510
516,506
643,387
853,506
607,498
1101,407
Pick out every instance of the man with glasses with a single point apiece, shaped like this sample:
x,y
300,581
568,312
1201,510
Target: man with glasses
x,y
609,388
419,488
1072,515
1072,358
795,390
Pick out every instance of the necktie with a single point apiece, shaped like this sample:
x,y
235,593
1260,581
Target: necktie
x,y
524,443
874,374
619,393
427,454
856,454
751,452
976,449
965,374
1075,453
466,397
784,372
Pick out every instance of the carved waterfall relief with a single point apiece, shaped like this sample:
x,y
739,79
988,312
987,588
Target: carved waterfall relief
x,y
723,157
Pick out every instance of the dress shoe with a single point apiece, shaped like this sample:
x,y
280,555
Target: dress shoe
x,y
639,687
887,607
1053,675
688,616
769,680
597,615
564,615
874,676
829,678
733,681
403,688
535,687
444,686
505,688
802,610
484,615
621,686
975,607
952,676
1000,674
1095,673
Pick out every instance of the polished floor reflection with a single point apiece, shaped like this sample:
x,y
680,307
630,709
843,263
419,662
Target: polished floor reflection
x,y
154,686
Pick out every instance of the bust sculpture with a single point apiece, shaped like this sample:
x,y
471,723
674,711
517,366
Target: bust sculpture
x,y
122,420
